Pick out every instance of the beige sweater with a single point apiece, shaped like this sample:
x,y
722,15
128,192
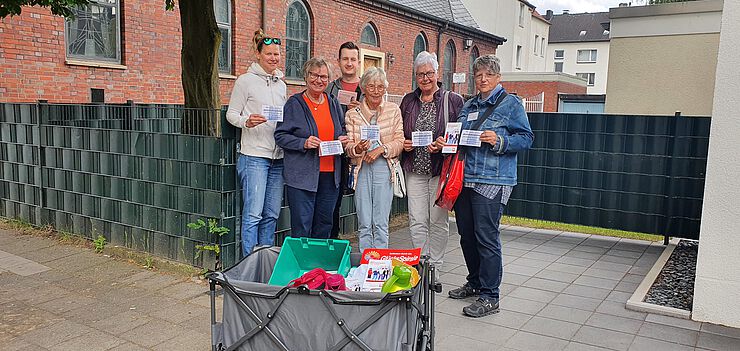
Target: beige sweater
x,y
391,132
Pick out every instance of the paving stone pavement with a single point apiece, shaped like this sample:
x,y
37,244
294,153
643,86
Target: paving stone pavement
x,y
561,291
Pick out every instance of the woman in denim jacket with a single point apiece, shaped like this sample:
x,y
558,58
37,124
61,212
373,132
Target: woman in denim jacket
x,y
490,176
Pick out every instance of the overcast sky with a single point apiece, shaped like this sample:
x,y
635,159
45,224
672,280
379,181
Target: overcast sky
x,y
578,6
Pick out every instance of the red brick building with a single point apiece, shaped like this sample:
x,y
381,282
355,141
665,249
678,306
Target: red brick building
x,y
130,50
545,87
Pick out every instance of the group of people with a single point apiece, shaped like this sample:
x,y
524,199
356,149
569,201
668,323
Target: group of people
x,y
274,154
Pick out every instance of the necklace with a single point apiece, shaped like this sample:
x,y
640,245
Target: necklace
x,y
313,103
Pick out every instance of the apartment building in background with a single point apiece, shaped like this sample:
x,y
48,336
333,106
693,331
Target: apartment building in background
x,y
579,45
526,32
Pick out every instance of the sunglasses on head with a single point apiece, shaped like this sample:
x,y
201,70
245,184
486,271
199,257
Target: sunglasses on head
x,y
270,41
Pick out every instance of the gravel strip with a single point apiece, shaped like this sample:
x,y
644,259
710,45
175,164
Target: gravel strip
x,y
674,286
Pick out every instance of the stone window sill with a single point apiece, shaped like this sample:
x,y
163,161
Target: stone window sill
x,y
95,64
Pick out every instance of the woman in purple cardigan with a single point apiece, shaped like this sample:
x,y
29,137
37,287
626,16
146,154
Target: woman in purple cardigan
x,y
424,110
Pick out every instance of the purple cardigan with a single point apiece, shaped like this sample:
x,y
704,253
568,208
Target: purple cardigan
x,y
410,109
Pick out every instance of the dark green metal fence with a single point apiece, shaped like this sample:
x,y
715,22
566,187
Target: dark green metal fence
x,y
128,173
635,173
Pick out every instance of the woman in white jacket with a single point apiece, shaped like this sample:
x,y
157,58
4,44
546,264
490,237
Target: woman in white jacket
x,y
260,163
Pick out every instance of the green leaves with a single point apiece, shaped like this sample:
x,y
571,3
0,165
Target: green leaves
x,y
213,229
58,7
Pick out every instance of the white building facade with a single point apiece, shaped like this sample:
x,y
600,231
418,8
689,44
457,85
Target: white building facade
x,y
525,30
579,45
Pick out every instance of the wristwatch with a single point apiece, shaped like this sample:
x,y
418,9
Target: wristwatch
x,y
385,151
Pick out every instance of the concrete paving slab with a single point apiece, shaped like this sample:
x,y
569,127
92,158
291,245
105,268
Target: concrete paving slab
x,y
615,323
665,332
526,341
604,338
551,327
567,314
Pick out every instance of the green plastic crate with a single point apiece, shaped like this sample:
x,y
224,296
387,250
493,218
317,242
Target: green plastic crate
x,y
300,255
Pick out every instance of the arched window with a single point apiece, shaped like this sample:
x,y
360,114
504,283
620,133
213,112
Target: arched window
x,y
420,44
449,65
297,34
222,9
369,36
474,54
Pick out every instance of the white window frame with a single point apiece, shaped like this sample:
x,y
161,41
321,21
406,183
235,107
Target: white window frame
x,y
555,68
536,42
227,27
522,9
116,9
518,57
542,47
590,77
593,56
555,54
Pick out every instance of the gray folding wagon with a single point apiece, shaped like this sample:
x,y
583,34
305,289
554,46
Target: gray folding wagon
x,y
257,316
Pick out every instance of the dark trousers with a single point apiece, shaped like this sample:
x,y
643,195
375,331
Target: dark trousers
x,y
342,190
311,212
478,224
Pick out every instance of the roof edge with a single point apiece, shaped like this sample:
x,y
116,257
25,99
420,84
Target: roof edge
x,y
389,5
675,8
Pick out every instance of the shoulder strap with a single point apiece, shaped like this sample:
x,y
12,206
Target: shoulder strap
x,y
488,112
446,104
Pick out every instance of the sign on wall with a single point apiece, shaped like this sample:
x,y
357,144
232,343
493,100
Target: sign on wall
x,y
458,78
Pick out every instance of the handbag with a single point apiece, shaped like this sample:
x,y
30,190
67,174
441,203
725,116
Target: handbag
x,y
399,183
453,169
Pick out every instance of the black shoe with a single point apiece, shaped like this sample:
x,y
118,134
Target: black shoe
x,y
481,307
463,292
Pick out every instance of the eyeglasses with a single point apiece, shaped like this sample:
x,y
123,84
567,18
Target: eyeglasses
x,y
315,76
380,87
428,75
485,76
270,41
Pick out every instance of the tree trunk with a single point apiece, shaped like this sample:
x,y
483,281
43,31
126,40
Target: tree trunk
x,y
201,39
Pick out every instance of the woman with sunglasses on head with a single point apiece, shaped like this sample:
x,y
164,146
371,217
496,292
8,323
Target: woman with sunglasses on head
x,y
310,118
423,110
260,163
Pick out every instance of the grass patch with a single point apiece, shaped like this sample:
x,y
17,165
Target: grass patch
x,y
539,224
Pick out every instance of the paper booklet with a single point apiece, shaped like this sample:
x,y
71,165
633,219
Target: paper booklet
x,y
452,137
378,271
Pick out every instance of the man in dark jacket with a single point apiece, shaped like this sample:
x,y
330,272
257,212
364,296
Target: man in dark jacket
x,y
349,62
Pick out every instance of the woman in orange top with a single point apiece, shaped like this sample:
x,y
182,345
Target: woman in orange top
x,y
310,118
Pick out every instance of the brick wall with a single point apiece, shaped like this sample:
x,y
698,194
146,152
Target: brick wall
x,y
551,90
33,66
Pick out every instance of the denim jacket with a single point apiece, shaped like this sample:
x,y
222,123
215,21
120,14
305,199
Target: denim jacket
x,y
496,164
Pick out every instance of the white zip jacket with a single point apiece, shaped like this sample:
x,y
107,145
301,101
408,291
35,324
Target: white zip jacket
x,y
252,90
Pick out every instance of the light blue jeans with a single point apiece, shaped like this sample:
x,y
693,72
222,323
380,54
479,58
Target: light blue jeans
x,y
262,194
373,199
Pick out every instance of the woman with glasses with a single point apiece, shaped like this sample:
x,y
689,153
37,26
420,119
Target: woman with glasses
x,y
427,109
260,163
312,119
372,156
490,176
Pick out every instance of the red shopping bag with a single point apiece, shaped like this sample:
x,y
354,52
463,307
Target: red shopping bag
x,y
451,180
